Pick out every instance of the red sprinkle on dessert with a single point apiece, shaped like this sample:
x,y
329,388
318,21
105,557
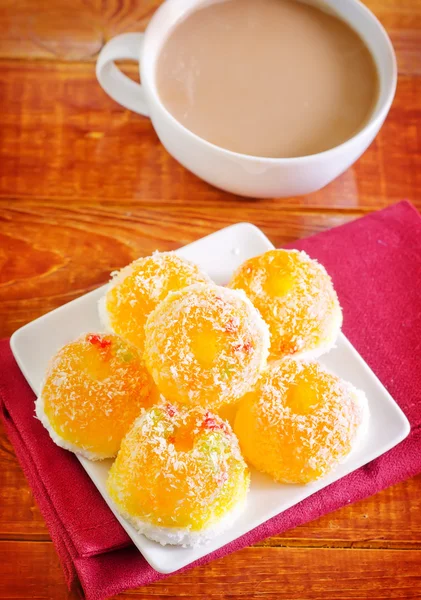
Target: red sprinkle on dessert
x,y
244,347
170,410
209,422
98,340
232,325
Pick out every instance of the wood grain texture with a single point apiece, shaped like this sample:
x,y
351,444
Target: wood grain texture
x,y
77,30
252,573
53,251
74,30
63,138
85,187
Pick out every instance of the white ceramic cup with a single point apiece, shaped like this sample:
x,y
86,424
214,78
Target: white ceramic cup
x,y
240,173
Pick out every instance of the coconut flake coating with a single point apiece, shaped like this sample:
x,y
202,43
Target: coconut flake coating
x,y
299,422
136,290
95,387
205,345
178,475
296,298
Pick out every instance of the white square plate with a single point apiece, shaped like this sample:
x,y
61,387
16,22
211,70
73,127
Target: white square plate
x,y
219,254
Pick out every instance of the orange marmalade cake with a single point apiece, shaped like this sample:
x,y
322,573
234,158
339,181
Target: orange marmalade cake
x,y
299,421
179,477
296,298
205,345
94,389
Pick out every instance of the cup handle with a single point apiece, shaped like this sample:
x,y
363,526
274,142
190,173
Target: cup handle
x,y
121,88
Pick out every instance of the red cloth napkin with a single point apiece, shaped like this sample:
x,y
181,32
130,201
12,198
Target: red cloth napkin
x,y
375,263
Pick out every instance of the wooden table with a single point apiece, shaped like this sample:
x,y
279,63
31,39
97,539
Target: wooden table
x,y
85,187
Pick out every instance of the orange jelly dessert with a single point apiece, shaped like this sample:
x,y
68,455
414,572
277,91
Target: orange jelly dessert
x,y
94,389
137,289
296,298
205,345
299,421
179,477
